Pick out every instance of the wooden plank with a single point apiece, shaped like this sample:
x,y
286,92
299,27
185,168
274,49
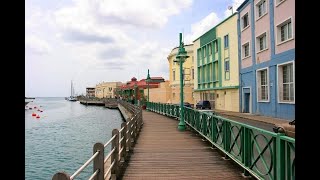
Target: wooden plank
x,y
163,152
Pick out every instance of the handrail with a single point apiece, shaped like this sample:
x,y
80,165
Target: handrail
x,y
244,144
120,146
84,165
106,144
109,155
111,166
94,174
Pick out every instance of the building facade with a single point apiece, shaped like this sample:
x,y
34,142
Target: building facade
x,y
90,91
188,76
135,90
266,57
160,94
217,70
106,89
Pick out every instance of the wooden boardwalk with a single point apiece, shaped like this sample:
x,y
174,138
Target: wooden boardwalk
x,y
163,152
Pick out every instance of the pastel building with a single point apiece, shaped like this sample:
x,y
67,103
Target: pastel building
x,y
160,94
216,66
106,89
188,76
266,57
90,92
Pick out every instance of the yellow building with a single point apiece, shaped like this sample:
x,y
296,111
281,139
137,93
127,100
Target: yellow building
x,y
106,89
217,72
174,75
160,94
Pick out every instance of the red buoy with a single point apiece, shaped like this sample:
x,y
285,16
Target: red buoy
x,y
34,114
38,116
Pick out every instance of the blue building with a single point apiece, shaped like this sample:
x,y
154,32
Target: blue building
x,y
266,47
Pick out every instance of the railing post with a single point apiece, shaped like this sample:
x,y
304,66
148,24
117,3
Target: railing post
x,y
280,156
98,162
129,134
226,137
61,176
115,154
123,142
246,153
135,128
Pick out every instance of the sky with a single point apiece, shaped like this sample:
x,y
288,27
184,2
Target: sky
x,y
94,41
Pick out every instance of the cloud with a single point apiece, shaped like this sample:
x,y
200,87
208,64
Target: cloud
x,y
86,37
112,53
140,13
235,4
36,45
199,28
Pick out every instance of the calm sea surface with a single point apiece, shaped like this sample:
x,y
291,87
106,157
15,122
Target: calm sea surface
x,y
62,138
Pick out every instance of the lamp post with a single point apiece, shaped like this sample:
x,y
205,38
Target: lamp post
x,y
148,81
180,58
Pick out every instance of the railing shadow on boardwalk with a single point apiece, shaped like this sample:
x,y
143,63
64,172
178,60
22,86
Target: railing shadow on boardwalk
x,y
122,142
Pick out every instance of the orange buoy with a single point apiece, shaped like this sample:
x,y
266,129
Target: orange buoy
x,y
38,116
34,114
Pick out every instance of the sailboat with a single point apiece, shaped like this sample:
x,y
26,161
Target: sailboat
x,y
72,98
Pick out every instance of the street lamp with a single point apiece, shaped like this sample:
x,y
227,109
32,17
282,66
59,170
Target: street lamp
x,y
148,81
180,58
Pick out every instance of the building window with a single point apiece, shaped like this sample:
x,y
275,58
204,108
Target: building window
x,y
245,21
216,46
210,49
284,31
262,42
262,85
174,75
261,8
245,50
192,73
192,59
226,41
227,69
204,52
286,82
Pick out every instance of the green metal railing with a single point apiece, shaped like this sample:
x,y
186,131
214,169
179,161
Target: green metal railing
x,y
263,154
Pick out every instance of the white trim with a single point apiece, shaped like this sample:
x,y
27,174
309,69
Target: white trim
x,y
241,23
294,84
243,53
256,14
278,3
250,99
258,44
280,24
245,28
285,41
268,79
